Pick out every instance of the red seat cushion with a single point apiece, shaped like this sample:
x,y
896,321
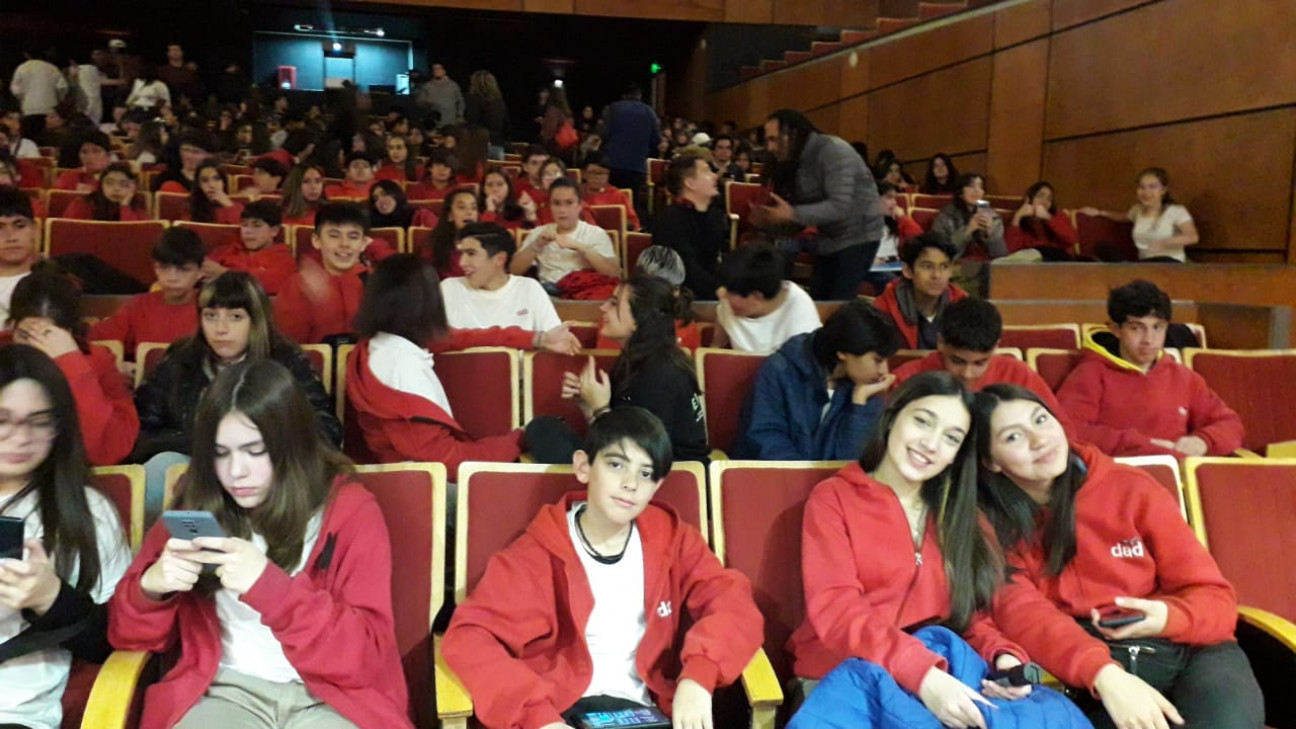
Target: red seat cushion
x,y
727,378
1052,338
547,371
1257,388
125,246
1053,368
482,409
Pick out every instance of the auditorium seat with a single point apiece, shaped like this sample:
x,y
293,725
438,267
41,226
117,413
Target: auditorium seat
x,y
656,182
726,377
240,183
1165,469
934,202
1095,231
740,198
35,171
482,386
170,205
124,246
1053,365
542,376
57,201
905,356
924,217
213,235
610,217
586,332
635,245
353,442
436,206
1256,384
418,239
230,170
147,357
1045,336
117,348
1004,202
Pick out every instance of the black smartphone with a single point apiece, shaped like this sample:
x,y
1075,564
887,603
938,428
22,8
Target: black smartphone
x,y
1114,616
192,524
1021,675
646,718
11,537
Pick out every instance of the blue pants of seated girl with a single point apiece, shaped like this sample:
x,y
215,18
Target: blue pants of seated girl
x,y
862,695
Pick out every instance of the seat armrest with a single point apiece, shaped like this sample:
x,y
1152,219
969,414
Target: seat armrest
x,y
1246,453
1283,449
1275,626
114,690
764,695
453,704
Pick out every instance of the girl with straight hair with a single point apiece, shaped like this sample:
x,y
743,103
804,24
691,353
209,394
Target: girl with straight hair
x,y
209,201
303,194
114,199
459,210
294,625
1162,227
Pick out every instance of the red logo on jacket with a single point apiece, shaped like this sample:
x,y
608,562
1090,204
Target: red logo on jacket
x,y
1128,549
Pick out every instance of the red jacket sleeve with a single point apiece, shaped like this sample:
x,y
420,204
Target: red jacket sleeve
x,y
727,628
136,623
838,608
118,326
1017,239
1063,231
109,423
907,228
426,440
458,339
493,627
1210,419
1080,395
274,267
293,311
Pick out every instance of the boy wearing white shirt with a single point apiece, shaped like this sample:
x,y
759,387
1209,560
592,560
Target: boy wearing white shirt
x,y
567,245
758,310
487,295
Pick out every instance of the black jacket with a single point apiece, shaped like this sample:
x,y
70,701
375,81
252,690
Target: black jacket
x,y
489,113
168,400
699,238
671,394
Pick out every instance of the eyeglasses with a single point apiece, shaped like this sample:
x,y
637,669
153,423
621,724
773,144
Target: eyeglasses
x,y
39,427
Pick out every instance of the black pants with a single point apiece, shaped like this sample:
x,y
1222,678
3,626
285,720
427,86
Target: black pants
x,y
637,183
1212,687
551,440
837,276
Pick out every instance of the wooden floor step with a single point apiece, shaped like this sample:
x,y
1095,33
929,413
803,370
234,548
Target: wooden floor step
x,y
820,48
894,25
797,56
927,11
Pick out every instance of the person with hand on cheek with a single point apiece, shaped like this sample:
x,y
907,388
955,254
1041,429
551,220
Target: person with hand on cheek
x,y
1083,533
209,202
557,627
302,577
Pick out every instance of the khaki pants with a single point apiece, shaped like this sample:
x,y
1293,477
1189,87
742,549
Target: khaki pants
x,y
238,701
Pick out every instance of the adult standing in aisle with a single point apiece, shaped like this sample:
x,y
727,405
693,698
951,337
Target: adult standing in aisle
x,y
630,133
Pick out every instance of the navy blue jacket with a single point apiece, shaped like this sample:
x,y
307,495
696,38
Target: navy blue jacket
x,y
781,421
630,134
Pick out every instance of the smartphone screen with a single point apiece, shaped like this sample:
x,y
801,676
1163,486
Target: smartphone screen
x,y
11,537
1113,616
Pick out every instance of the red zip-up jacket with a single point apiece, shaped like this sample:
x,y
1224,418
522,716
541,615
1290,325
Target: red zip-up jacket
x,y
1119,408
272,265
1002,368
518,642
399,426
888,303
148,318
105,407
333,619
1057,232
1131,541
307,321
864,584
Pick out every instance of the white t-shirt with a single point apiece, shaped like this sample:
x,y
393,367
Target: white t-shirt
x,y
7,286
148,95
554,261
797,315
520,302
39,85
403,365
31,686
616,625
1148,229
247,645
23,148
89,77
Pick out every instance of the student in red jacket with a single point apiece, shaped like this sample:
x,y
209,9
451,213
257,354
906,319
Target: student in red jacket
x,y
321,300
256,252
529,181
499,204
460,210
95,155
583,612
296,620
303,194
894,542
46,314
969,332
596,191
359,177
1128,398
1040,225
113,199
439,180
209,202
399,165
916,299
1084,534
400,403
169,313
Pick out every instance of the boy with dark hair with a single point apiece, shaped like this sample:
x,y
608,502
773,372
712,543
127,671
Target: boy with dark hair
x,y
487,295
440,180
321,300
722,151
19,243
916,299
167,314
529,181
695,223
970,330
595,189
94,152
256,251
582,612
758,309
818,397
268,175
359,177
1129,399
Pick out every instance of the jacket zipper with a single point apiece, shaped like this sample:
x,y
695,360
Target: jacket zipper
x,y
1134,651
912,582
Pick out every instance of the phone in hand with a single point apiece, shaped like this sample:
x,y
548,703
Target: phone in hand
x,y
193,524
982,205
1115,616
11,537
1023,674
647,717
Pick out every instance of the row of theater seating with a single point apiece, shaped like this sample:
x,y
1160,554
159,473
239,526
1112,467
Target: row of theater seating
x,y
751,514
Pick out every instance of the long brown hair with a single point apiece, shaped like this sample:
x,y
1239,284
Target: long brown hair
x,y
265,393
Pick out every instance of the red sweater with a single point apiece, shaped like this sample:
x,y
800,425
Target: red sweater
x,y
428,191
74,179
1056,233
399,426
391,172
1119,408
864,584
148,318
1002,369
346,189
613,196
105,407
889,303
1118,508
333,619
518,642
306,321
82,209
272,265
222,215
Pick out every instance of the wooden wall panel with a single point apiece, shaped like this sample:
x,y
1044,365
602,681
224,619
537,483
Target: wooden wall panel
x,y
703,10
855,79
971,162
1067,13
805,87
827,119
549,6
852,123
1017,116
1234,174
941,46
941,111
1021,23
1172,60
749,11
841,13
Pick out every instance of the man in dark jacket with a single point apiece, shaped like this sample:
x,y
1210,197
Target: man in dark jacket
x,y
630,133
694,225
820,181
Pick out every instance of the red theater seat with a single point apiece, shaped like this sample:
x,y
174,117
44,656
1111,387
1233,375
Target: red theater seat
x,y
171,205
1256,384
635,245
482,385
740,198
924,217
124,246
1053,365
542,376
1043,336
1099,231
936,202
213,235
726,377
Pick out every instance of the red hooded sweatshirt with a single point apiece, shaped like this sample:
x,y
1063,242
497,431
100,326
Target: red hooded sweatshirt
x,y
272,265
864,584
518,642
105,407
333,619
1131,541
1002,368
890,303
148,318
306,321
399,426
1119,408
